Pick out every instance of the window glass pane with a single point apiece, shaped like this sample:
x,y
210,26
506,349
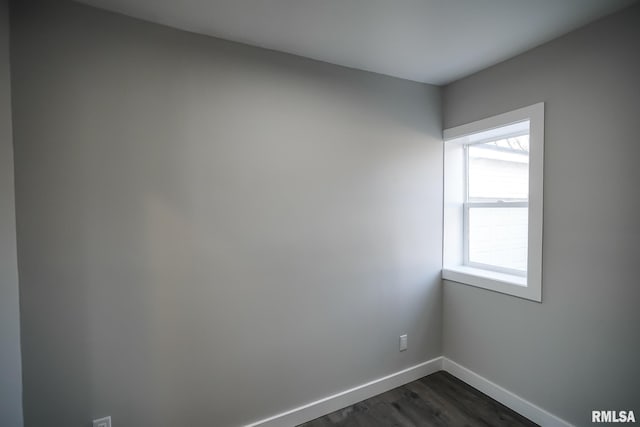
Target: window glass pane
x,y
499,170
498,237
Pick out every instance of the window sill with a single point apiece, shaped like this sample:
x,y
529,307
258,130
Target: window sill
x,y
494,281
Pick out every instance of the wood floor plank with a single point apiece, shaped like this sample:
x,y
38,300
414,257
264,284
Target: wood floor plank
x,y
437,400
389,415
450,416
480,408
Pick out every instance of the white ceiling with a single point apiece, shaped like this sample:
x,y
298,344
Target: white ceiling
x,y
432,41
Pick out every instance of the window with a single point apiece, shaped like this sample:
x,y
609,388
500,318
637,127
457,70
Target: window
x,y
493,203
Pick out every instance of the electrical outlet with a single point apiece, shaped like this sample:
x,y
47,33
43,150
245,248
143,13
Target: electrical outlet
x,y
102,422
403,342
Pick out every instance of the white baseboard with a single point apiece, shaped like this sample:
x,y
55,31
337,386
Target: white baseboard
x,y
346,398
329,404
507,398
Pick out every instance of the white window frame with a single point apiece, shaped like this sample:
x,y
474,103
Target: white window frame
x,y
455,264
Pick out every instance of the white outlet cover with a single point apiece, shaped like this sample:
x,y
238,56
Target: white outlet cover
x,y
403,342
102,422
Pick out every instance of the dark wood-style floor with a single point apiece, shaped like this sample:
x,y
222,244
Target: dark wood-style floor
x,y
435,400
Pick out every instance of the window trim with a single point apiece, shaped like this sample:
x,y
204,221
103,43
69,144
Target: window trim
x,y
455,252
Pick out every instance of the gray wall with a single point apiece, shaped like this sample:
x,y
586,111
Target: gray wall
x,y
10,382
579,349
211,233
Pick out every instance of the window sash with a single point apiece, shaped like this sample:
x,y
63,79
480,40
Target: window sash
x,y
465,233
